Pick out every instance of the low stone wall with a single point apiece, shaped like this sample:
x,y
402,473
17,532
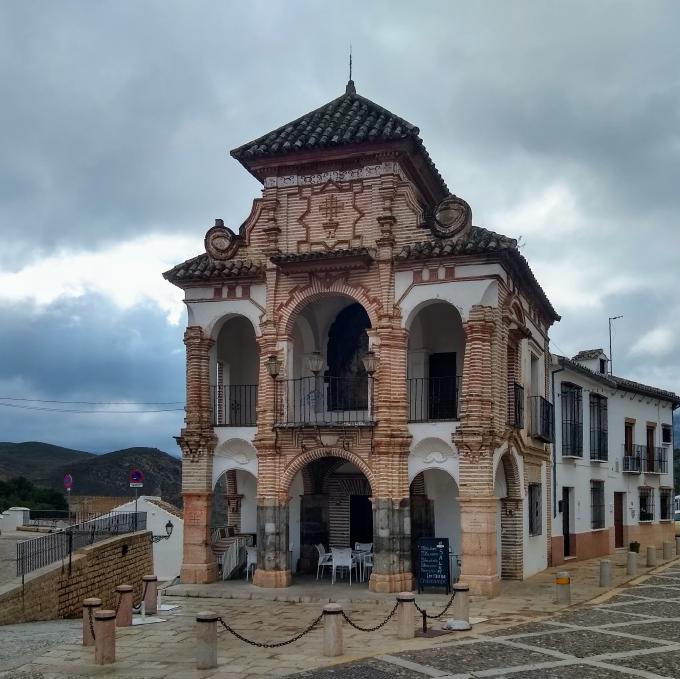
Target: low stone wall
x,y
97,570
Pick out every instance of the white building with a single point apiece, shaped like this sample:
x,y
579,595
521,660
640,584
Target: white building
x,y
613,460
167,553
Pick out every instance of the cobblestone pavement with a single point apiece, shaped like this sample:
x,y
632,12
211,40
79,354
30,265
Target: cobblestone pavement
x,y
635,632
631,631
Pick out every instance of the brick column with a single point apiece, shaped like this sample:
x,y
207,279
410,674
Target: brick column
x,y
391,501
197,442
483,410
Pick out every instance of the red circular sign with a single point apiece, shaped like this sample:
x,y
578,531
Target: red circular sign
x,y
68,482
136,476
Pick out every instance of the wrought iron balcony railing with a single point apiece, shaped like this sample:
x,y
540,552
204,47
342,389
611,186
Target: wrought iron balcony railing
x,y
433,398
542,419
234,405
632,462
654,459
599,445
516,405
324,401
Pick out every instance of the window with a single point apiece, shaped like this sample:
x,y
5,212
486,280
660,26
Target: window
x,y
666,498
646,504
536,389
598,428
603,366
597,504
572,420
628,438
535,509
666,434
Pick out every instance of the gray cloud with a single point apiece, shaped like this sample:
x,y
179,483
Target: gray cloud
x,y
117,119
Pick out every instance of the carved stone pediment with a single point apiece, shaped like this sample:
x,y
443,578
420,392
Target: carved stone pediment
x,y
221,242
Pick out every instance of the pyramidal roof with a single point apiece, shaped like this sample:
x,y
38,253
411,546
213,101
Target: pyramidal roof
x,y
349,119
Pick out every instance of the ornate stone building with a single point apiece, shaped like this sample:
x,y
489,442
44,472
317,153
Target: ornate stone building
x,y
364,364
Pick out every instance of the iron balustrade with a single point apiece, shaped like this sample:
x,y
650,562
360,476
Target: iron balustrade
x,y
646,504
48,549
632,462
234,405
597,505
432,398
323,400
571,407
654,459
599,445
516,405
542,419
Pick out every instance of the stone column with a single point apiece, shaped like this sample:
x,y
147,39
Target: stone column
x,y
198,445
391,546
273,555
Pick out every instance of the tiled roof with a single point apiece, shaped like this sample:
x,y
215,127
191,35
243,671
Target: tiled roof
x,y
170,508
619,382
204,268
478,241
292,257
349,119
587,354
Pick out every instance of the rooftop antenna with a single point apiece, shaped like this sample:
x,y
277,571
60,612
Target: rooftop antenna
x,y
350,89
611,358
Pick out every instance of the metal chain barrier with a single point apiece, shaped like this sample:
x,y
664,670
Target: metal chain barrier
x,y
274,645
422,611
120,598
89,616
370,629
138,605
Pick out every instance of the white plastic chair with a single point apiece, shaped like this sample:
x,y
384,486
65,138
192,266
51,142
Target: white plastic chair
x,y
325,559
363,546
364,549
367,564
251,559
342,558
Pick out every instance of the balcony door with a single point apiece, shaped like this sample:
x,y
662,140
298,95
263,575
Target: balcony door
x,y
650,449
442,397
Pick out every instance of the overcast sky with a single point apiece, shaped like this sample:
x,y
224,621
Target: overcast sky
x,y
559,122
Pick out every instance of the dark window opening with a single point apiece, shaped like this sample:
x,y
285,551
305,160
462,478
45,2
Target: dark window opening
x,y
666,434
599,434
597,504
572,420
535,509
646,504
603,366
666,500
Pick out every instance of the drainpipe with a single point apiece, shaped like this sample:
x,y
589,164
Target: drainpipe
x,y
554,456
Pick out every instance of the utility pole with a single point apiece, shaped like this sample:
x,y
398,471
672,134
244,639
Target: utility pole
x,y
611,358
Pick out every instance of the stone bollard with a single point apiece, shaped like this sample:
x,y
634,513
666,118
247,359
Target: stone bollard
x,y
332,630
406,615
88,619
150,594
677,546
606,573
667,551
124,607
631,563
460,609
105,637
206,640
651,557
563,587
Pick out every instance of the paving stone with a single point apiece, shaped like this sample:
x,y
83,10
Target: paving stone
x,y
527,628
575,671
594,617
475,657
667,581
665,664
663,609
586,643
369,669
655,593
666,630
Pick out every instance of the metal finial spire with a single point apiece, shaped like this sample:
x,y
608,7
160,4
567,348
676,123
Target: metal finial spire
x,y
350,89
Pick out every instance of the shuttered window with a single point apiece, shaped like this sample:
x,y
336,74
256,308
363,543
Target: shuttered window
x,y
572,420
535,509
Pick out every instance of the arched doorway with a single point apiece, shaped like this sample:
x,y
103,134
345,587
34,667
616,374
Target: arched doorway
x,y
333,508
509,519
435,512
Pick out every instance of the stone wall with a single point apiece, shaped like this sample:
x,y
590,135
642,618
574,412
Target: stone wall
x,y
52,593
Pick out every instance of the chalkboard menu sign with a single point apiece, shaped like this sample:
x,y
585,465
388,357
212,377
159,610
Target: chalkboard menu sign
x,y
433,563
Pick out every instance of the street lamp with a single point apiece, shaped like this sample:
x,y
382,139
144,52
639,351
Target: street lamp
x,y
370,361
611,359
168,533
273,366
315,362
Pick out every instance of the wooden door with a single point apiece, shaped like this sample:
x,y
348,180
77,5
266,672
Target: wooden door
x,y
618,519
650,449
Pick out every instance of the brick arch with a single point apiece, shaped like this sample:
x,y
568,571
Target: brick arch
x,y
303,459
512,475
318,289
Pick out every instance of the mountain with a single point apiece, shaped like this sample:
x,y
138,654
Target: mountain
x,y
106,474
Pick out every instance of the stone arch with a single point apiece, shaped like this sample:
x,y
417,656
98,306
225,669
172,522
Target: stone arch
x,y
303,459
412,315
316,290
510,542
212,329
433,453
234,454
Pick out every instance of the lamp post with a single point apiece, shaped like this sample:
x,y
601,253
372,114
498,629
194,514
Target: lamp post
x,y
611,358
370,361
168,532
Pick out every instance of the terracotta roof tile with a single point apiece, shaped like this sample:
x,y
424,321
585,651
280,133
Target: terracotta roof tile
x,y
170,508
203,267
587,354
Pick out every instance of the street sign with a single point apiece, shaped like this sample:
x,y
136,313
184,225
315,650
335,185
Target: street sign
x,y
136,478
68,482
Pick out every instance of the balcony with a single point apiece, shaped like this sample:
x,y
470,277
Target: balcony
x,y
327,401
234,405
632,462
516,405
654,459
572,439
599,445
542,419
432,399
